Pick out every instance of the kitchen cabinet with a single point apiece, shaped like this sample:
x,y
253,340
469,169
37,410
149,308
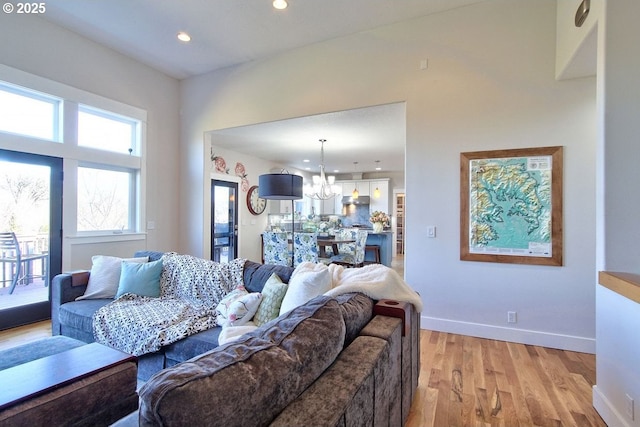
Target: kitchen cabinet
x,y
366,188
380,203
349,186
328,207
337,201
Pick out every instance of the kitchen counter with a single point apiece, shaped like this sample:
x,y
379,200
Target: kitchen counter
x,y
383,239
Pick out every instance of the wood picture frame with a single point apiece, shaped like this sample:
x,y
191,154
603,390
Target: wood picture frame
x,y
511,206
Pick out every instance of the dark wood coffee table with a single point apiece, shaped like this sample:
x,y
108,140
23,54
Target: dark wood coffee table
x,y
35,378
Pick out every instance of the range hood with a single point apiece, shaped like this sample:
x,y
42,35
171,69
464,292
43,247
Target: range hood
x,y
362,200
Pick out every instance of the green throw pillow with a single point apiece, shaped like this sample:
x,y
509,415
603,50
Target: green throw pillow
x,y
272,296
140,278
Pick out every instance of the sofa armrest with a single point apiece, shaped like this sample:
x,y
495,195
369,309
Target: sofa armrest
x,y
65,287
410,318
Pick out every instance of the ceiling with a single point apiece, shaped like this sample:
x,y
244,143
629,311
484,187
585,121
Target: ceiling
x,y
226,32
229,32
361,135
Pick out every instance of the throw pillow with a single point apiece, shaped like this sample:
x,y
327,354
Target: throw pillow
x,y
307,281
238,307
105,276
272,295
140,278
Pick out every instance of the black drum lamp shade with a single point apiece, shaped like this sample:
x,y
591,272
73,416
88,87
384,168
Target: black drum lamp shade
x,y
280,186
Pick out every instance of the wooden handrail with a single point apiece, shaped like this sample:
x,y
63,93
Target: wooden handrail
x,y
625,284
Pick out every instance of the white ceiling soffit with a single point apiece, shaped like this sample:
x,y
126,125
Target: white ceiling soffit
x,y
584,61
361,135
226,32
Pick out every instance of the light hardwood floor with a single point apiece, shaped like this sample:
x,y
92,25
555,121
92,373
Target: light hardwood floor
x,y
466,381
23,334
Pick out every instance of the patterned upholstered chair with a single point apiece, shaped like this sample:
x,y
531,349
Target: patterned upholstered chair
x,y
305,248
275,248
351,254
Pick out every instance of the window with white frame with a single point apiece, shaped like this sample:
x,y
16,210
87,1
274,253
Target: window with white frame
x,y
29,113
107,131
103,145
105,199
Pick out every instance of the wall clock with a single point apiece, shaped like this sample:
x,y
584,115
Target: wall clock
x,y
255,204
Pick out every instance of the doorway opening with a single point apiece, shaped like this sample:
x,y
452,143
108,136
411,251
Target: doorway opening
x,y
31,216
224,220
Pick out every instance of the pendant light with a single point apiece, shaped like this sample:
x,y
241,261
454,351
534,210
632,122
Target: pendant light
x,y
355,194
322,187
376,192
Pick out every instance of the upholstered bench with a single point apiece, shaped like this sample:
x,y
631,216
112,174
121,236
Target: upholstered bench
x,y
61,381
36,350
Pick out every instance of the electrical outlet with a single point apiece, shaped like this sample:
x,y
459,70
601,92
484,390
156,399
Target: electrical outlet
x,y
512,317
630,408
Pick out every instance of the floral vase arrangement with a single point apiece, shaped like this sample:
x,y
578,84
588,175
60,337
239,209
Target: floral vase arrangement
x,y
379,220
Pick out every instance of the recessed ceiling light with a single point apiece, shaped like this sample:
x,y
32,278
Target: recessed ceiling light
x,y
280,4
306,161
183,37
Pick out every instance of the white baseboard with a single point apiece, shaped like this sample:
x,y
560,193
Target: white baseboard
x,y
544,339
608,413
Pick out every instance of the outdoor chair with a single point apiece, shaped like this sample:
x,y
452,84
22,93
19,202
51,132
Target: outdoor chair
x,y
10,254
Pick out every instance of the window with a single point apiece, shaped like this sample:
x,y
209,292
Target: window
x,y
28,113
105,200
100,140
107,131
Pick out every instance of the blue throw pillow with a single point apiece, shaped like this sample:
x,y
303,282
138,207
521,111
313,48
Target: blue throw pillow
x,y
140,278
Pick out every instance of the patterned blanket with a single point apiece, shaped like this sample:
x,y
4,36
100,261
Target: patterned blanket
x,y
190,290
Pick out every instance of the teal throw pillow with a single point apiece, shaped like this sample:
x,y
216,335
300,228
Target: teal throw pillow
x,y
272,296
140,278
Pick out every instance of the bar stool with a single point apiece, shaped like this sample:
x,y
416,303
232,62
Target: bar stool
x,y
376,252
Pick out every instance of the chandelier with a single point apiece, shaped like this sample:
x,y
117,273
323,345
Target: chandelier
x,y
322,187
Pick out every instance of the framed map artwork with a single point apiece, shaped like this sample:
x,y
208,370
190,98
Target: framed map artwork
x,y
511,206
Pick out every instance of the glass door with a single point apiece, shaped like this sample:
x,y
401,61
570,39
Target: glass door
x,y
30,210
224,220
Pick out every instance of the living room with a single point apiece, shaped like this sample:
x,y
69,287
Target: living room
x,y
493,82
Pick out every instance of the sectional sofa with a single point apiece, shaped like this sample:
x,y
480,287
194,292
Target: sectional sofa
x,y
343,360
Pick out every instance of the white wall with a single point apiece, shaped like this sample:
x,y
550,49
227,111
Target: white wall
x,y
490,85
576,46
618,350
249,226
38,47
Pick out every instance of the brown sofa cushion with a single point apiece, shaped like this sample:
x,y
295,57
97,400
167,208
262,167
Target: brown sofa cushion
x,y
354,391
357,311
249,381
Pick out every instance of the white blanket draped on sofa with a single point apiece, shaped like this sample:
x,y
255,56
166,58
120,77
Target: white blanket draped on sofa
x,y
190,290
374,280
377,281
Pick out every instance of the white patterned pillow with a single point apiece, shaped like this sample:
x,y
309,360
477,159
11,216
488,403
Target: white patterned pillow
x,y
238,307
